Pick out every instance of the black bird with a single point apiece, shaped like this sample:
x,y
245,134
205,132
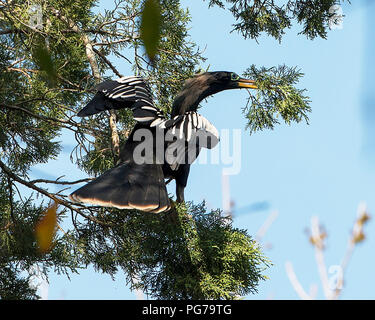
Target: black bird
x,y
169,145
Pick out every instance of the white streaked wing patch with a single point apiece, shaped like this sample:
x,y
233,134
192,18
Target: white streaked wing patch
x,y
181,127
157,122
126,96
127,79
199,125
189,129
123,89
154,109
142,89
195,123
120,94
143,119
149,102
133,83
195,119
135,90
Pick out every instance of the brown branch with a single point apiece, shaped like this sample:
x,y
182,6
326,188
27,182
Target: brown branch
x,y
7,226
115,71
21,70
109,43
67,124
16,62
8,31
60,182
10,186
44,192
34,115
114,134
95,71
10,174
118,54
95,31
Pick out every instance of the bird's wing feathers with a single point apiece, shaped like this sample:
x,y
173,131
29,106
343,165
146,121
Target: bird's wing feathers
x,y
127,89
126,92
191,130
134,93
188,133
127,186
188,127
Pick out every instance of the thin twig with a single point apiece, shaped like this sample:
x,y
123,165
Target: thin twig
x,y
10,185
266,225
90,54
60,182
115,71
295,283
44,192
318,237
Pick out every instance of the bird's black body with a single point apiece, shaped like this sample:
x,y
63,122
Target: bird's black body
x,y
138,181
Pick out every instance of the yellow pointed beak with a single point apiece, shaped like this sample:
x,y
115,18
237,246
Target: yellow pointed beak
x,y
244,83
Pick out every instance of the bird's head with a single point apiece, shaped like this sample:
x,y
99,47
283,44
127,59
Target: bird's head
x,y
205,84
222,80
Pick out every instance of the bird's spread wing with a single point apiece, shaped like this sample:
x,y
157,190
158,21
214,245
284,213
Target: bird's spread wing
x,y
133,92
191,131
126,92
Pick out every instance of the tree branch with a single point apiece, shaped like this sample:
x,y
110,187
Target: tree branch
x,y
63,123
8,31
60,182
44,192
318,238
295,283
115,71
109,43
95,71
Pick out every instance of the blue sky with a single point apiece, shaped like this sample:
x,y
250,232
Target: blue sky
x,y
323,169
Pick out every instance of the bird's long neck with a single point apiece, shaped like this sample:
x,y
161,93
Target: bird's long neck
x,y
184,103
194,91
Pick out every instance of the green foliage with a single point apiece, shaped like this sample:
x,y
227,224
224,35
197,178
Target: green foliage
x,y
273,17
19,251
276,97
46,74
33,111
176,60
13,286
178,56
29,106
184,254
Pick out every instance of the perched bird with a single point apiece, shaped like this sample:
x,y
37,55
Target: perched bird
x,y
158,148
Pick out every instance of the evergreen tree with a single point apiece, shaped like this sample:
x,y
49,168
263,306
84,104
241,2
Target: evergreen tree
x,y
52,53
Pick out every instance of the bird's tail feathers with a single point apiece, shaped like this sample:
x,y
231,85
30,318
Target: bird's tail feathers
x,y
127,186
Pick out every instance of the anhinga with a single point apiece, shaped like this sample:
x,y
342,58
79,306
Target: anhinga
x,y
132,184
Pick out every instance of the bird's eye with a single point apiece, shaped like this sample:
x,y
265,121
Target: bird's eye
x,y
234,77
